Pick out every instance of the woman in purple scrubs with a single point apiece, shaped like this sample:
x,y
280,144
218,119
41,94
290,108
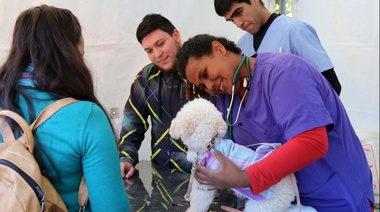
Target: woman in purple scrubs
x,y
279,97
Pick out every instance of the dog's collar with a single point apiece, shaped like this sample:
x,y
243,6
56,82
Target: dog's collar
x,y
205,148
202,150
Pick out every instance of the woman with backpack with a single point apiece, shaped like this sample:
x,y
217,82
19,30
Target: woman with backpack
x,y
45,64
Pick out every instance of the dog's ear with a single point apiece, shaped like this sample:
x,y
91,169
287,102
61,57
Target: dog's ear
x,y
181,127
174,130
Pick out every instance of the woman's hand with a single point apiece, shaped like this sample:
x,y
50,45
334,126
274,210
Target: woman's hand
x,y
228,175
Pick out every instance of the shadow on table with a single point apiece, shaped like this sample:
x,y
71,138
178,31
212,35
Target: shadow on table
x,y
168,188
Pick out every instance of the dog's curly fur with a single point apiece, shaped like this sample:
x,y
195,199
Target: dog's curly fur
x,y
196,124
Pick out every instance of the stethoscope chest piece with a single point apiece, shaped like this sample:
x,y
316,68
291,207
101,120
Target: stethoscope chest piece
x,y
245,82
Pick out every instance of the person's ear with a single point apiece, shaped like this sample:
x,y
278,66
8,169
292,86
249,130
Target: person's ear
x,y
217,47
177,36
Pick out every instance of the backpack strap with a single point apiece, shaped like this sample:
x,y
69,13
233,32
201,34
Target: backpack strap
x,y
45,115
50,110
7,133
27,137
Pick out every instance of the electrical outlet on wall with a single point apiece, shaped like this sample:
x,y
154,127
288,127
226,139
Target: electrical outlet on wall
x,y
114,113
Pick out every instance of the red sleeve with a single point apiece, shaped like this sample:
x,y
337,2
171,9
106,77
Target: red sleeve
x,y
292,156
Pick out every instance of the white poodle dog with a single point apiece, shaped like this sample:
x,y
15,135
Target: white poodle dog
x,y
201,127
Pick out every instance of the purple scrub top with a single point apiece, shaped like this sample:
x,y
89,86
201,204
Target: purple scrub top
x,y
289,96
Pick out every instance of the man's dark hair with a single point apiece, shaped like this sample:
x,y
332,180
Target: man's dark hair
x,y
152,22
223,6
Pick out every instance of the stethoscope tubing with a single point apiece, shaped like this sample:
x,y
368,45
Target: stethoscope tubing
x,y
234,80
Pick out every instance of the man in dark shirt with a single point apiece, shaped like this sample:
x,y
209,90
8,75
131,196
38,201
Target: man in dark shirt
x,y
159,92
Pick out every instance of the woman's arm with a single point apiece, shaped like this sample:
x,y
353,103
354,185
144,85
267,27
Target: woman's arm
x,y
101,165
292,156
295,154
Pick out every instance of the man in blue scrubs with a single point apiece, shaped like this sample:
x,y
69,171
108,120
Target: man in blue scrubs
x,y
271,32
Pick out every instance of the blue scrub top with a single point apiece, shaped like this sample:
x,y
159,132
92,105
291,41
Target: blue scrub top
x,y
290,35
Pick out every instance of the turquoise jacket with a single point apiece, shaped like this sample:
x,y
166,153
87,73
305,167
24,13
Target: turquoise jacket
x,y
78,140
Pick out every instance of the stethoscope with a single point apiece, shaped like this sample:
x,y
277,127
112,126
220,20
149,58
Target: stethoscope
x,y
247,85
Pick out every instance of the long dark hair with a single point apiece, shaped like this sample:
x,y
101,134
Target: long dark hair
x,y
46,37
